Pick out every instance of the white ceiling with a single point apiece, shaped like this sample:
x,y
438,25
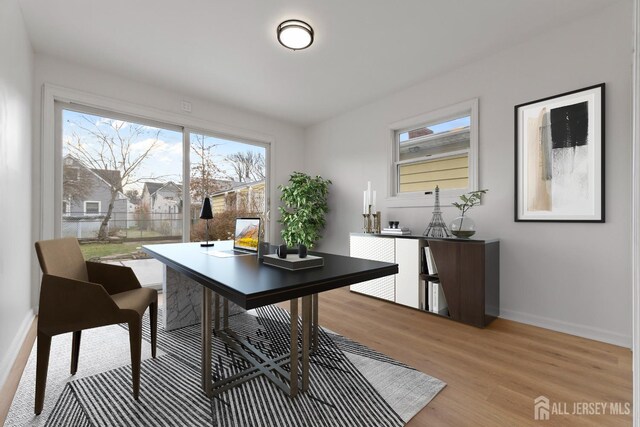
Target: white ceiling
x,y
226,50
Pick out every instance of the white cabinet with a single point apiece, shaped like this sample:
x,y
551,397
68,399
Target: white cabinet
x,y
408,277
375,249
402,288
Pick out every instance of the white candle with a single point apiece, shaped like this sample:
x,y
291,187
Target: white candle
x,y
374,198
364,203
368,193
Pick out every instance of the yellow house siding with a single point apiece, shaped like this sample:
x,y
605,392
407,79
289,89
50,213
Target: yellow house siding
x,y
424,176
217,203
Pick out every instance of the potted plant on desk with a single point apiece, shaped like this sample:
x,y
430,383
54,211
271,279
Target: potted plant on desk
x,y
304,210
465,227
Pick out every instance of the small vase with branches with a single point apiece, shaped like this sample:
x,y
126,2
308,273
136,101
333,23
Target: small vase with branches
x,y
465,227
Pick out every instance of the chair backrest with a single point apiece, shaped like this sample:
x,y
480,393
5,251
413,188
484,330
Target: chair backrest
x,y
62,257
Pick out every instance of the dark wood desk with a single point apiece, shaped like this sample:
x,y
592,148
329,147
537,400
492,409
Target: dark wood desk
x,y
248,283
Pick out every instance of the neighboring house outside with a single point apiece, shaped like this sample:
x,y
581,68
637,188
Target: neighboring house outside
x,y
86,197
219,186
242,196
162,207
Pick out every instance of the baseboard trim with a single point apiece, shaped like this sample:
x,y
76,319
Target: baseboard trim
x,y
568,328
14,348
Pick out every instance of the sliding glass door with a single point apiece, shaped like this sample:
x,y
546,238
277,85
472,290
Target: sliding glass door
x,y
233,174
123,181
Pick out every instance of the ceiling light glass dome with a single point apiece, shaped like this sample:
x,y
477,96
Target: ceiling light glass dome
x,y
295,34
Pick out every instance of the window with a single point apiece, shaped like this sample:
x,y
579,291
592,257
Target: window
x,y
99,153
227,171
70,174
108,160
92,208
435,149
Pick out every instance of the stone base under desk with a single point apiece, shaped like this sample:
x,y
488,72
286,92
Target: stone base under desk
x,y
182,299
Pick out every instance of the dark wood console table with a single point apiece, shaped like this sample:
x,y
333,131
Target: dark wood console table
x,y
468,272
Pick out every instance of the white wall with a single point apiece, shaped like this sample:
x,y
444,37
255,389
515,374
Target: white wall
x,y
16,244
569,277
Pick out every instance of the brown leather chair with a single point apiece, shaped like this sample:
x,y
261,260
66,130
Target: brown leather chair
x,y
77,295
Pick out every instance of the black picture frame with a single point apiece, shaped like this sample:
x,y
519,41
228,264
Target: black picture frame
x,y
560,157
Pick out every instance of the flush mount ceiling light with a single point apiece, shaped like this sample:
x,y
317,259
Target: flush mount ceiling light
x,y
294,34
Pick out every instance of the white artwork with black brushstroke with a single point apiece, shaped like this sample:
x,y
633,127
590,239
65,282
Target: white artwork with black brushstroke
x,y
558,158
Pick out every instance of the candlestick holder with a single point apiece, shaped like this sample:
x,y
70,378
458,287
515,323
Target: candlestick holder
x,y
377,220
370,223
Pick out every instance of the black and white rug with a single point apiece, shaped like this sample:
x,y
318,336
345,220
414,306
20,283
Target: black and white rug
x,y
351,385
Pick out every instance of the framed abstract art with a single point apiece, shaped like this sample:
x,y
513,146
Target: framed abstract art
x,y
559,157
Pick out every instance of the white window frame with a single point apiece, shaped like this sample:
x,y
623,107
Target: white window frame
x,y
418,198
92,201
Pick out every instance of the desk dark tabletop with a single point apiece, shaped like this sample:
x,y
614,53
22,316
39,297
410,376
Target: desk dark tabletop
x,y
246,281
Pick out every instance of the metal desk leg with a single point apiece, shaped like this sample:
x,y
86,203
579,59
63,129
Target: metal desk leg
x,y
225,313
314,327
306,339
216,312
293,375
206,341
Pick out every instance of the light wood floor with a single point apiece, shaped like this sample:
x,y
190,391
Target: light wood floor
x,y
11,384
492,375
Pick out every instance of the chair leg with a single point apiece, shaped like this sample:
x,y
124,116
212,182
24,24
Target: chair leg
x,y
153,318
42,365
75,351
135,343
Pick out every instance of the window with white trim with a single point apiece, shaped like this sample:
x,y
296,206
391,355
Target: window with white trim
x,y
91,208
436,149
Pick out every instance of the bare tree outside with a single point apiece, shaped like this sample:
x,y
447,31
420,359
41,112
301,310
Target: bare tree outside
x,y
247,166
206,176
112,146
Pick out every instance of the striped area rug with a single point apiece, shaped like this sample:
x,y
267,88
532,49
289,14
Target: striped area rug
x,y
351,385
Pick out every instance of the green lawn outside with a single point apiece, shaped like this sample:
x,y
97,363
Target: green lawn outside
x,y
135,233
96,250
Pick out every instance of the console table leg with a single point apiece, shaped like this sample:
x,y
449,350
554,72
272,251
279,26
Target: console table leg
x,y
205,320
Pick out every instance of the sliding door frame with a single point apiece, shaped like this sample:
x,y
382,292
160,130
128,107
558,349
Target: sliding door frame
x,y
46,227
635,216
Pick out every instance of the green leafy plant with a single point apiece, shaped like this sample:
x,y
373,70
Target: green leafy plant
x,y
469,200
304,210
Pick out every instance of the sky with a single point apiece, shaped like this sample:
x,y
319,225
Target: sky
x,y
164,163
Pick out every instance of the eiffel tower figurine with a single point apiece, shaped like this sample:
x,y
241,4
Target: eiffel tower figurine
x,y
437,227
